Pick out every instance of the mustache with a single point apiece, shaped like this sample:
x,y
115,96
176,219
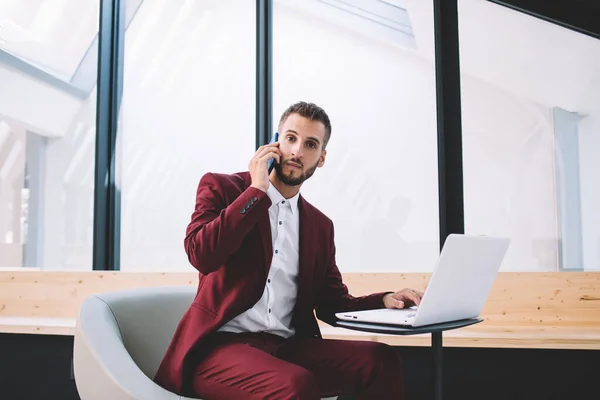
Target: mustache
x,y
295,161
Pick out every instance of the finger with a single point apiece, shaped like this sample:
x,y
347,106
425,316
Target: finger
x,y
266,154
262,150
397,295
267,147
398,304
413,297
271,154
419,293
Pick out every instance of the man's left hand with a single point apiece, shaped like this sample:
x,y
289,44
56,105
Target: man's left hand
x,y
402,299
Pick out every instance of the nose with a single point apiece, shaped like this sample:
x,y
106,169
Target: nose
x,y
297,149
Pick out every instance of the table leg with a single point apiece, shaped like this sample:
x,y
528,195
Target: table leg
x,y
438,381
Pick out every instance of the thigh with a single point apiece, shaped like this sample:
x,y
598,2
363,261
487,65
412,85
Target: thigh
x,y
344,366
244,371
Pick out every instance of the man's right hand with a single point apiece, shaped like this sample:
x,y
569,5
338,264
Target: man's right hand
x,y
258,166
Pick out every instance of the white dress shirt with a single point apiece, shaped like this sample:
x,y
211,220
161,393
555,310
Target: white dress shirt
x,y
273,312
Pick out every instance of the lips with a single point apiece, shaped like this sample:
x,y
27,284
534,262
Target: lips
x,y
294,165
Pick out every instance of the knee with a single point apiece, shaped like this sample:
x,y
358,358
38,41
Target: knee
x,y
301,384
383,375
383,356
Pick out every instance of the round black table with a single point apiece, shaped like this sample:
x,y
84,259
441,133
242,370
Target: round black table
x,y
436,340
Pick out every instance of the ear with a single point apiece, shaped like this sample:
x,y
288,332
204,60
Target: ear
x,y
322,158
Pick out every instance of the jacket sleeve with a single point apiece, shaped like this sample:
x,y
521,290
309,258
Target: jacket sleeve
x,y
216,229
334,296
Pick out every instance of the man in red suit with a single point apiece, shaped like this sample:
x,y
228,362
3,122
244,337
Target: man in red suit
x,y
266,259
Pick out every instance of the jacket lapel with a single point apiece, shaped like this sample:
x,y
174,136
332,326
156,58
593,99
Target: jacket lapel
x,y
306,262
264,229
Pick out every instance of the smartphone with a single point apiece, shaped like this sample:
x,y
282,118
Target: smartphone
x,y
271,163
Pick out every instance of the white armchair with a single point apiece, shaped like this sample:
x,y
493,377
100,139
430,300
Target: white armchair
x,y
120,342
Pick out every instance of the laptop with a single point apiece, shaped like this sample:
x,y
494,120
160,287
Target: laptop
x,y
460,284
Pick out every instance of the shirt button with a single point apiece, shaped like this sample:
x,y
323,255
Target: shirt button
x,y
276,251
268,280
269,310
280,222
283,202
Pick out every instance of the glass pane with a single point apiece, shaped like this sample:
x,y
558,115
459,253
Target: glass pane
x,y
370,65
531,133
53,35
188,108
47,143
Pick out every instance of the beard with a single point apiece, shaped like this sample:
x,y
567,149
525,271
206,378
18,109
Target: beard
x,y
291,180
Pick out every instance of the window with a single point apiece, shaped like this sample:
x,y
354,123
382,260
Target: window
x,y
531,131
369,64
47,134
188,108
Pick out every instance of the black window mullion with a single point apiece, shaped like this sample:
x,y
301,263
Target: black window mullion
x,y
449,127
107,199
264,71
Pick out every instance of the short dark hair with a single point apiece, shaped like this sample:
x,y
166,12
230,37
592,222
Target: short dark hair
x,y
312,112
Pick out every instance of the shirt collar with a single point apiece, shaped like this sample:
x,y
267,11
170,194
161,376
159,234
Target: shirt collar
x,y
277,198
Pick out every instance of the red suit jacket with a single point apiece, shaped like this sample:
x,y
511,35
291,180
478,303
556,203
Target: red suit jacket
x,y
229,242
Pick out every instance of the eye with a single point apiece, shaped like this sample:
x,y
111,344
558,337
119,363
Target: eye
x,y
290,138
312,145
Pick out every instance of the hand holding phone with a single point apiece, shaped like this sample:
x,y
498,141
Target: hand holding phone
x,y
263,162
271,163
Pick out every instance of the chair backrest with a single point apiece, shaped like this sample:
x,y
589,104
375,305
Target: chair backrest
x,y
146,319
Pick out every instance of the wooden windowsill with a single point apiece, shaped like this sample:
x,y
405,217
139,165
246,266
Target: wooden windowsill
x,y
549,310
483,336
41,326
516,337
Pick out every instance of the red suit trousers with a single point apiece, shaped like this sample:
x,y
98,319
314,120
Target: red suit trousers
x,y
264,366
